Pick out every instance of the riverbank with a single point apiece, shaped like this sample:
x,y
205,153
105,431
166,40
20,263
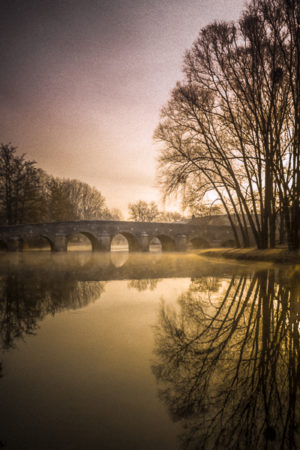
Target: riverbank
x,y
275,255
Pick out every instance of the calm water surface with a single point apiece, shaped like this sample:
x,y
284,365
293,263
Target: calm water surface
x,y
155,351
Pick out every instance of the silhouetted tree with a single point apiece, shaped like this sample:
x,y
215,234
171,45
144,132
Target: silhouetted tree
x,y
21,198
231,126
29,195
197,206
74,200
282,19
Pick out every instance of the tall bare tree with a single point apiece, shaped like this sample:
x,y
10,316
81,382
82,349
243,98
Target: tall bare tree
x,y
282,19
227,128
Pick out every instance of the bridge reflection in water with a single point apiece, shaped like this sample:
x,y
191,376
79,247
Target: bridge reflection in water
x,y
112,266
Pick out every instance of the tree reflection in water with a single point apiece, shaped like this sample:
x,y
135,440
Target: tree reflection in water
x,y
144,285
228,362
25,301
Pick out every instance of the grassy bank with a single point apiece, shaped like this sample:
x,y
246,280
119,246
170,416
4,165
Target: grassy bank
x,y
275,255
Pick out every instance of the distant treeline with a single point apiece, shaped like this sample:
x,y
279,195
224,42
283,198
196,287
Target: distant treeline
x,y
29,195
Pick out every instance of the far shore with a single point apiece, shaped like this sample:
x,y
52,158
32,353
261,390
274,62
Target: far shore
x,y
274,255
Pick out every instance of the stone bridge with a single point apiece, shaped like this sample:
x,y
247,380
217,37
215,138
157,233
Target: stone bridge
x,y
172,236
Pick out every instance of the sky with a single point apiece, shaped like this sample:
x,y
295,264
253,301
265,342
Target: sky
x,y
82,83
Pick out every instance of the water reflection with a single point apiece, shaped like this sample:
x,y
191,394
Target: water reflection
x,y
118,259
25,300
228,361
33,286
83,380
143,285
115,266
227,353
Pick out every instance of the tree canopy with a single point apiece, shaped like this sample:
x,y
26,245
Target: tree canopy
x,y
231,127
142,211
29,195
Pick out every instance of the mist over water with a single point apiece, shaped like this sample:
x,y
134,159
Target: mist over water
x,y
151,351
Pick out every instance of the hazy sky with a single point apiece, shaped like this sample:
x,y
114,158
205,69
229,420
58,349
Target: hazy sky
x,y
82,83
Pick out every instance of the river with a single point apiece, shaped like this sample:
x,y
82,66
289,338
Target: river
x,y
148,351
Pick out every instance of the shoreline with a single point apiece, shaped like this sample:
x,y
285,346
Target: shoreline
x,y
274,255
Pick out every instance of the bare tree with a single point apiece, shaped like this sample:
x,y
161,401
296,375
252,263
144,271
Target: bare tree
x,y
115,214
227,128
142,211
171,216
29,195
282,19
74,200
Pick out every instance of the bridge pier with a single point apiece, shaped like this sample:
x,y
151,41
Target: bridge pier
x,y
143,242
103,243
181,242
60,243
14,244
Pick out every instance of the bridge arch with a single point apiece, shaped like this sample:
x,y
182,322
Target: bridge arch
x,y
49,240
155,245
199,242
167,243
119,243
131,239
38,242
84,239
